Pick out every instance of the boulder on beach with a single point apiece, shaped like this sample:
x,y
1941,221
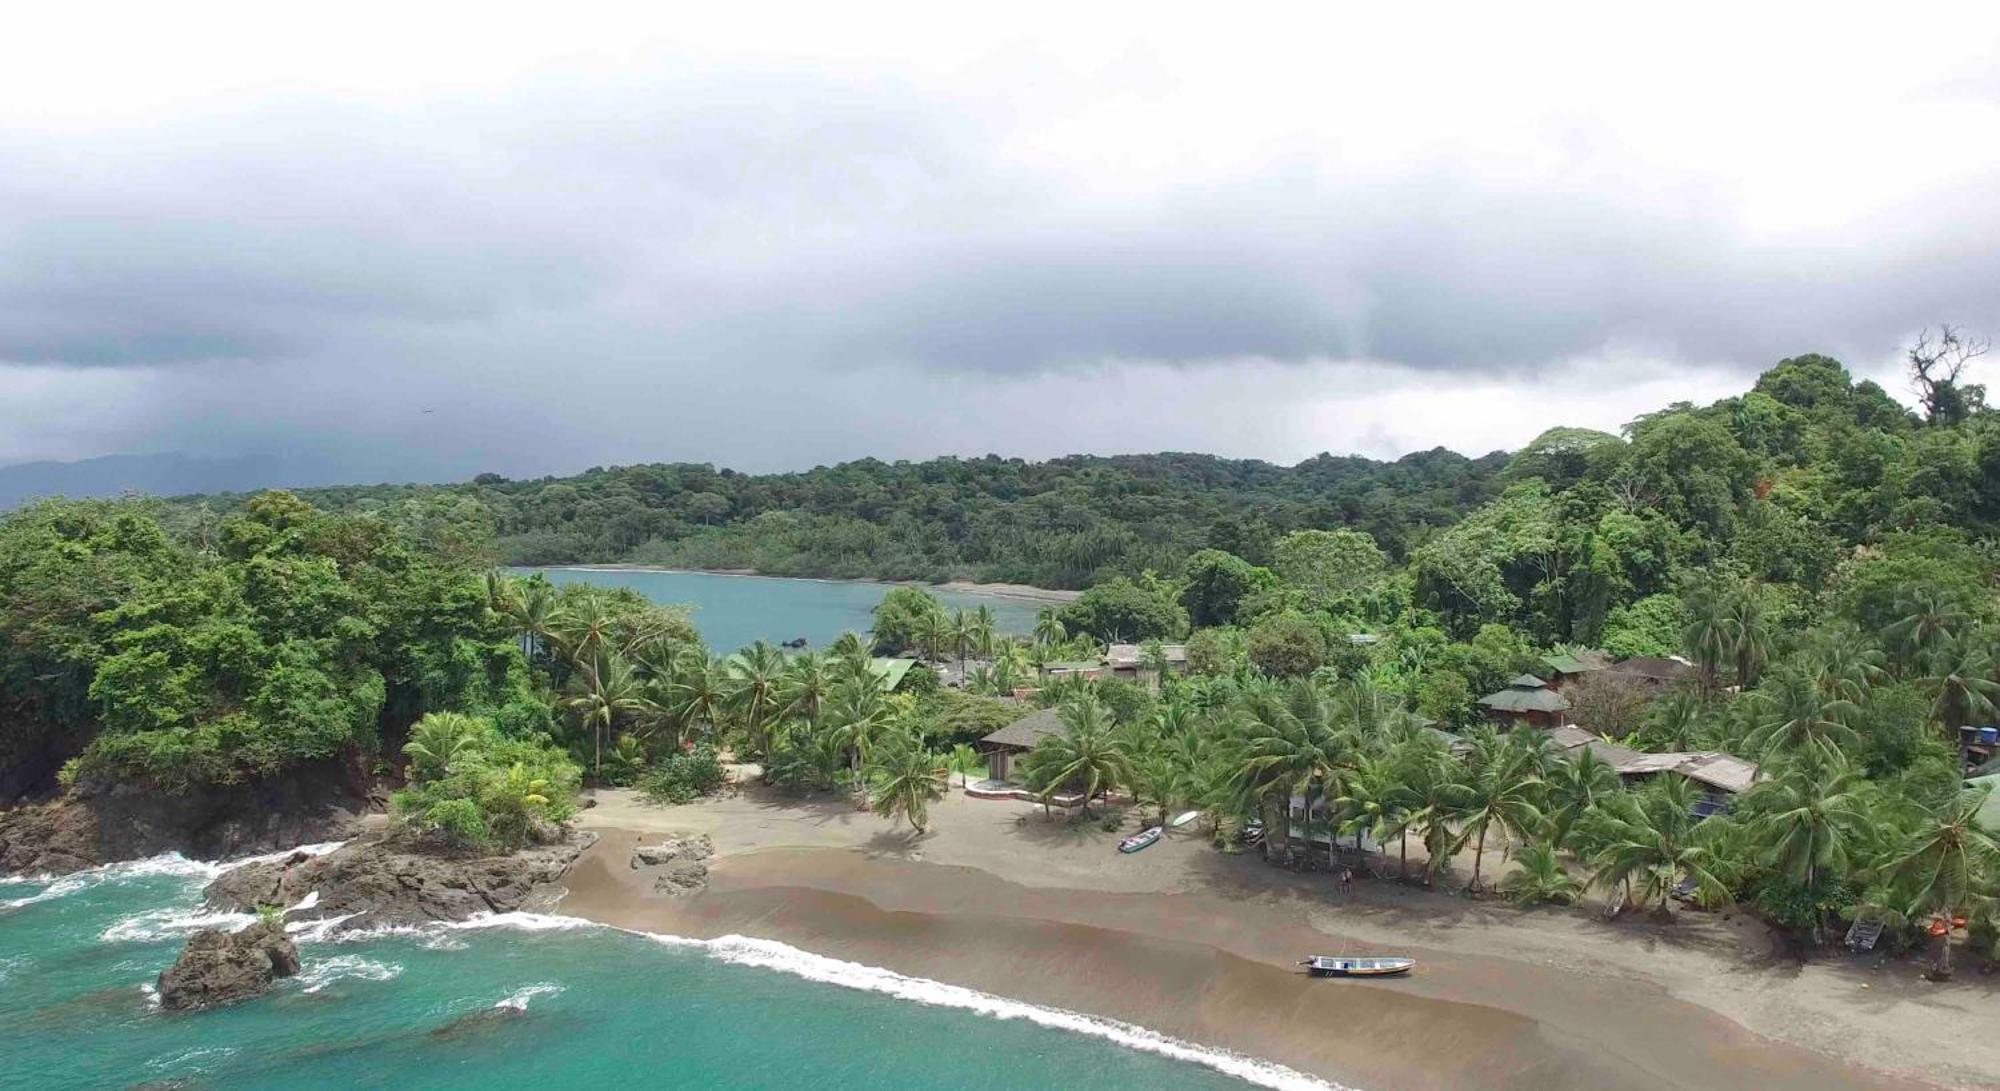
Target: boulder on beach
x,y
680,863
217,968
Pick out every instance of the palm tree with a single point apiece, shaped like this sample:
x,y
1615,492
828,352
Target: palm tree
x,y
1751,637
966,761
985,631
582,627
701,693
1792,716
1500,792
1930,622
1539,877
529,605
1049,627
1088,755
933,634
1373,799
803,688
1647,841
1964,683
610,690
1281,752
857,716
1812,813
1422,764
1947,869
960,631
1574,787
1709,636
756,673
905,779
442,739
1844,664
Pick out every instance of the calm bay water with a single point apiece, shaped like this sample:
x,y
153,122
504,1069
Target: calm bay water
x,y
734,611
547,1002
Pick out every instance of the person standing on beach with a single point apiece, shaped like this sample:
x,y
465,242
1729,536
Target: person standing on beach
x,y
1347,880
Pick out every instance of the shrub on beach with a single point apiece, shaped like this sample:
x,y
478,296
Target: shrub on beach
x,y
682,778
471,788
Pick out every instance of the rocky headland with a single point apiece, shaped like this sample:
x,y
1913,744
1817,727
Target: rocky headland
x,y
380,881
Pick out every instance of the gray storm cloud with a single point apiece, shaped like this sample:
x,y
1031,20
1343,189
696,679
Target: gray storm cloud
x,y
700,267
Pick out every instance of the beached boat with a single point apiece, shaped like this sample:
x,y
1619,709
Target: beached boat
x,y
1140,840
1342,966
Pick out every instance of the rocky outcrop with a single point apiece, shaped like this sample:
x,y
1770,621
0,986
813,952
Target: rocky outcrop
x,y
679,864
377,881
101,822
218,968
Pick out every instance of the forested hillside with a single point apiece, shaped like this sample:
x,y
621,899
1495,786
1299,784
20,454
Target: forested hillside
x,y
1063,523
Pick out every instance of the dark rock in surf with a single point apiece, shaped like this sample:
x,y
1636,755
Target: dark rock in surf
x,y
218,968
381,881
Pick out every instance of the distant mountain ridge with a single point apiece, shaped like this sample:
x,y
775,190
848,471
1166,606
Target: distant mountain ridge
x,y
165,474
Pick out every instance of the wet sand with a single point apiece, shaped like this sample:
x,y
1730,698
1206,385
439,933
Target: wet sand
x,y
1193,943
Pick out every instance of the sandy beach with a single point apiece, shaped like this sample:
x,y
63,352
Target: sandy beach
x,y
1020,592
1201,945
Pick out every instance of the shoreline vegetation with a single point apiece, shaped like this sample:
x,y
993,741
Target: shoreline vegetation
x,y
1731,673
1020,592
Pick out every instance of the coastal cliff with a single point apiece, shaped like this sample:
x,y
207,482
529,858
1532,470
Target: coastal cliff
x,y
104,820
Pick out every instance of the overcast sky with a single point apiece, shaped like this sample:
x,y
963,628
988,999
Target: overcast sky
x,y
774,236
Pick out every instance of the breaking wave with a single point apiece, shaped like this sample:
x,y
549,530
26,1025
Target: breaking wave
x,y
519,998
318,974
784,958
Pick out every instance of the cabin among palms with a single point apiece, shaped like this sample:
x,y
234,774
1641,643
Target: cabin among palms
x,y
1527,700
1129,662
1652,670
1719,776
1005,748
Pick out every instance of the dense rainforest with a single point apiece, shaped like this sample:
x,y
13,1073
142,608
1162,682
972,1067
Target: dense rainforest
x,y
1821,556
1063,523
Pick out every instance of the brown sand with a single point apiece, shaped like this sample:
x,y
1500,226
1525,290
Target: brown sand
x,y
1200,945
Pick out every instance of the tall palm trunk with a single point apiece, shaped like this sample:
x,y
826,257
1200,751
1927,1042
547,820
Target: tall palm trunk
x,y
1478,854
1403,870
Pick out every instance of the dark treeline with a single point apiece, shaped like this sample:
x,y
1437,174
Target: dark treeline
x,y
1068,522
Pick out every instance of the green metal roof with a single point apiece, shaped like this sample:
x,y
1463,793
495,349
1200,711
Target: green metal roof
x,y
891,671
1989,811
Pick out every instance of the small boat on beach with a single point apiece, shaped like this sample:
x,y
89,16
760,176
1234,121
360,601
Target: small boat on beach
x,y
1140,840
1343,966
1184,818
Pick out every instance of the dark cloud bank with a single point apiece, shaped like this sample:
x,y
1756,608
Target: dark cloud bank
x,y
772,272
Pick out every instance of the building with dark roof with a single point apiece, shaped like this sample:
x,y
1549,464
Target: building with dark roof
x,y
1527,699
1003,748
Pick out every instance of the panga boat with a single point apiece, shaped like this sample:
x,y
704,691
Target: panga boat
x,y
1341,966
1139,840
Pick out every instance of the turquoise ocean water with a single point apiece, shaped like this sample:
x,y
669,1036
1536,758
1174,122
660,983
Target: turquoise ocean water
x,y
733,611
519,1001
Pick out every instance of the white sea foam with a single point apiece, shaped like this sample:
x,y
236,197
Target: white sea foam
x,y
155,925
519,998
166,863
191,1061
305,903
772,955
56,889
320,973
